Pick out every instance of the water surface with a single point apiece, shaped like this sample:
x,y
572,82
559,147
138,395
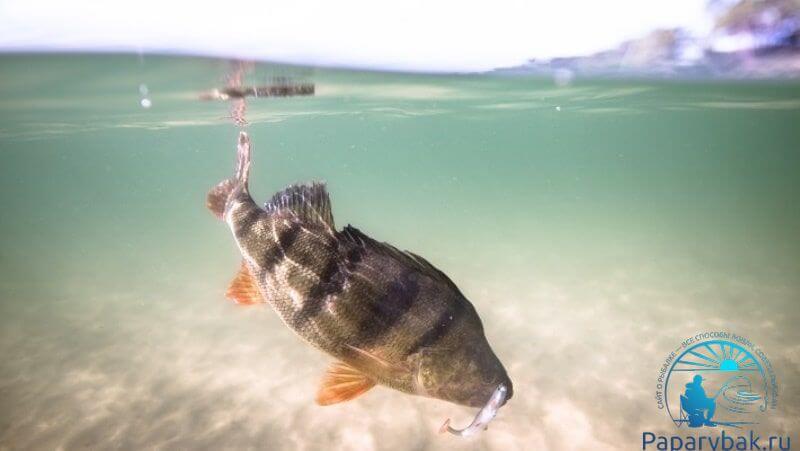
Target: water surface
x,y
593,226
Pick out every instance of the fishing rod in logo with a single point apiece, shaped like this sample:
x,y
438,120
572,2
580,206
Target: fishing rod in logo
x,y
737,397
738,394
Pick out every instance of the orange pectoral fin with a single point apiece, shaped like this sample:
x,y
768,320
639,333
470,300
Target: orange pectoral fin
x,y
342,383
243,288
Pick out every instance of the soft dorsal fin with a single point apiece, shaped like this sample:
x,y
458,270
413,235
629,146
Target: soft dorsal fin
x,y
243,288
411,260
342,383
308,202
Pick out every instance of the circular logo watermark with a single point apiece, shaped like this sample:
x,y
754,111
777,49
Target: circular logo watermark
x,y
716,379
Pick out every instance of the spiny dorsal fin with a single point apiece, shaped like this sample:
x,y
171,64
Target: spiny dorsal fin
x,y
358,238
342,383
243,288
307,202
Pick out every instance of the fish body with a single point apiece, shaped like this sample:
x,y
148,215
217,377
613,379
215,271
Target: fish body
x,y
387,316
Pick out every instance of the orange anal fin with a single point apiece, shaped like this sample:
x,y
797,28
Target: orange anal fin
x,y
342,383
243,288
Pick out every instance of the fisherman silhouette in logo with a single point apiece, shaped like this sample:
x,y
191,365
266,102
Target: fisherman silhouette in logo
x,y
699,408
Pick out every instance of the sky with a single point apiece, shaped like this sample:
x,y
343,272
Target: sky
x,y
411,35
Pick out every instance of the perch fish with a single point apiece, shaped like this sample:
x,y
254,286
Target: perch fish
x,y
387,316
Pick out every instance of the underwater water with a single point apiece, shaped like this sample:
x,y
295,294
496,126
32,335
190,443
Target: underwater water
x,y
593,226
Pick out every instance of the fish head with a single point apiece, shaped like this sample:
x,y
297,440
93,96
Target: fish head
x,y
465,375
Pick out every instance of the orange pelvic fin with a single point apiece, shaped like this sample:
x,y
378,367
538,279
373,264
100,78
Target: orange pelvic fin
x,y
243,288
342,383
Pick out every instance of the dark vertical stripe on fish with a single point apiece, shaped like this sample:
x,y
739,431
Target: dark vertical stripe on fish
x,y
388,309
288,236
331,283
276,252
443,324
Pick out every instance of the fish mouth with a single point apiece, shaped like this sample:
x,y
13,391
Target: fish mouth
x,y
484,416
510,391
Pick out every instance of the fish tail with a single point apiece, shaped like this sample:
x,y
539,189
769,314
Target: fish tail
x,y
224,192
217,197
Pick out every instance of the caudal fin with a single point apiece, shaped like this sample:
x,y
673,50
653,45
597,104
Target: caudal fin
x,y
217,198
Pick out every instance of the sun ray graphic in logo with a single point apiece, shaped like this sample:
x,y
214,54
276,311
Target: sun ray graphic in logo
x,y
716,383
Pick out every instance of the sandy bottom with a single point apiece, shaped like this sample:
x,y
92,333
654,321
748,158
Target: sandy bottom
x,y
175,366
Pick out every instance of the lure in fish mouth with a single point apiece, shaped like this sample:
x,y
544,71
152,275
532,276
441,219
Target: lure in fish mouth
x,y
388,317
484,416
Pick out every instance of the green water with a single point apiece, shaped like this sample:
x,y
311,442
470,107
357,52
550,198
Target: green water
x,y
593,226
